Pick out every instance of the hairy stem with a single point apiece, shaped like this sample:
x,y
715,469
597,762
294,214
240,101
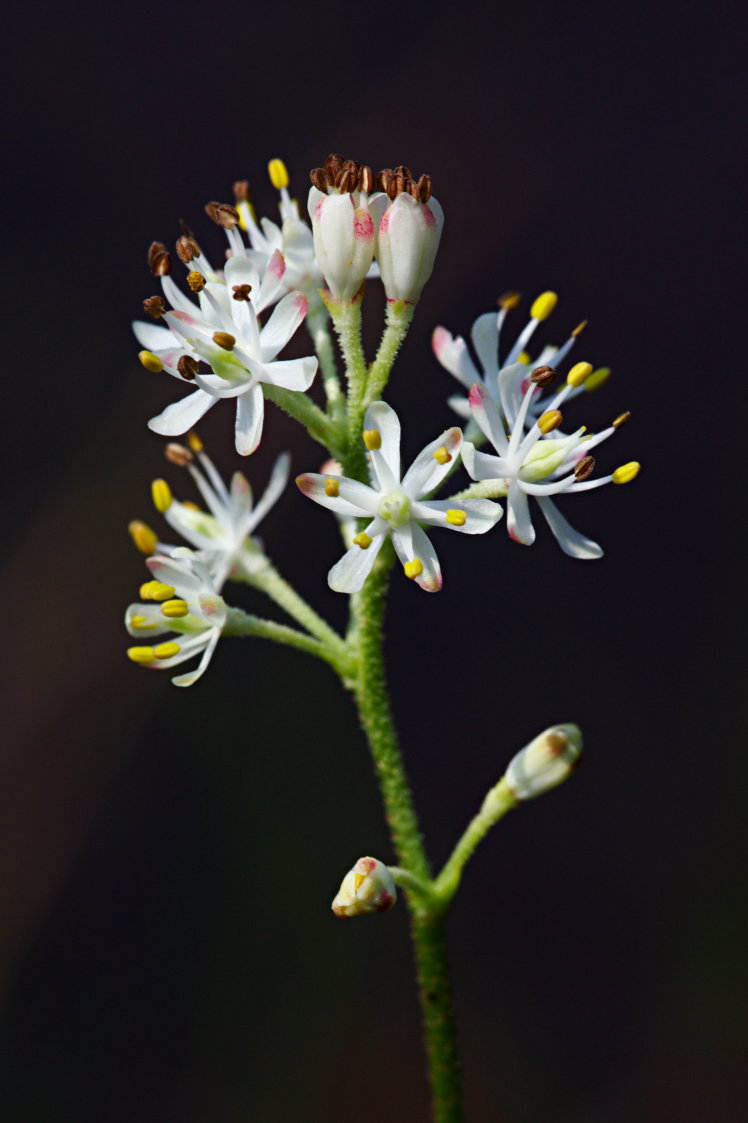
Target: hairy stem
x,y
269,581
499,800
240,623
398,318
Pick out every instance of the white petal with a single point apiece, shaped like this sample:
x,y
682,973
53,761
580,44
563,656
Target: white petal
x,y
382,417
481,514
485,336
348,575
411,542
482,465
426,472
183,415
486,415
193,676
276,484
291,374
518,521
287,316
178,575
453,355
153,337
573,543
354,499
250,412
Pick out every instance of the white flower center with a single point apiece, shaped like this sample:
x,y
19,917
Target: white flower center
x,y
394,508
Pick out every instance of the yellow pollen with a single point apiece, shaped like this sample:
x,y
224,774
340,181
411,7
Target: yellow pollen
x,y
456,517
332,488
156,590
579,373
372,438
524,357
549,421
150,361
173,609
141,623
363,540
196,281
413,569
194,442
626,473
144,538
621,419
161,495
141,654
166,650
598,378
579,329
543,305
358,880
225,340
442,455
509,300
278,173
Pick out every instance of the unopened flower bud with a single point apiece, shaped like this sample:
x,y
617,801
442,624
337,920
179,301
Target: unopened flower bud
x,y
343,230
408,236
546,762
367,888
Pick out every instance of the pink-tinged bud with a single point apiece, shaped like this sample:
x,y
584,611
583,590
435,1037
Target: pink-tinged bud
x,y
343,230
365,889
546,762
408,237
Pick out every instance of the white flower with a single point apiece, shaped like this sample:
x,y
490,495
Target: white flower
x,y
409,228
506,379
395,504
183,600
342,224
367,888
525,459
546,762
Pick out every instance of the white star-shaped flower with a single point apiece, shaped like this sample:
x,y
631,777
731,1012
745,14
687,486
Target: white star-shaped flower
x,y
396,504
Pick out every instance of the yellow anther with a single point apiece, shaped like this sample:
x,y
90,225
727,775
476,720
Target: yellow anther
x,y
358,880
194,442
442,455
173,609
413,568
524,357
579,373
626,473
509,300
549,421
156,590
141,654
598,378
225,340
161,495
166,650
278,173
363,540
191,506
543,305
621,419
150,361
141,624
579,329
332,488
196,281
144,538
456,517
372,438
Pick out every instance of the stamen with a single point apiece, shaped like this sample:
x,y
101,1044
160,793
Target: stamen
x,y
579,329
424,188
319,179
509,300
177,454
166,650
524,357
196,281
598,378
363,540
187,367
543,305
141,654
174,609
141,624
579,374
626,473
456,517
366,179
144,538
241,292
413,569
241,191
155,307
150,361
383,178
543,376
187,249
621,420
159,259
584,468
332,488
224,340
192,506
549,421
442,455
156,590
194,442
372,439
223,214
161,495
278,173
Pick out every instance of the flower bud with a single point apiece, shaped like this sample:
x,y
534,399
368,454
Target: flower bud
x,y
365,889
545,762
407,240
343,231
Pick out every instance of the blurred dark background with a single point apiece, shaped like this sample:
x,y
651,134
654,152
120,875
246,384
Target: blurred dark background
x,y
166,947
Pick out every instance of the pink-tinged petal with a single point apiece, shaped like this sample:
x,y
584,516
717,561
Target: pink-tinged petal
x,y
250,412
485,336
512,383
518,521
287,316
291,374
241,497
383,418
193,676
273,280
480,514
487,417
348,575
354,499
411,542
482,465
573,543
240,270
453,355
426,471
183,415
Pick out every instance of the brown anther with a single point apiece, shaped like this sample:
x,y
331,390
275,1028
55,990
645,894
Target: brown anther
x,y
412,188
186,230
178,454
403,171
346,180
556,742
543,376
187,249
223,214
155,307
187,367
196,281
621,419
154,250
319,179
366,179
584,468
241,191
383,178
159,259
351,166
241,292
509,300
225,340
424,188
332,166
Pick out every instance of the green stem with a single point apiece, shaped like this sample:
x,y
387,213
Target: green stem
x,y
397,321
269,581
240,623
346,318
499,800
317,325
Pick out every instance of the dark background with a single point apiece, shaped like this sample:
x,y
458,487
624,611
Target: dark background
x,y
167,857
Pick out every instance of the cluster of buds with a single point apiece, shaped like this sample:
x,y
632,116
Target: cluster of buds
x,y
366,888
